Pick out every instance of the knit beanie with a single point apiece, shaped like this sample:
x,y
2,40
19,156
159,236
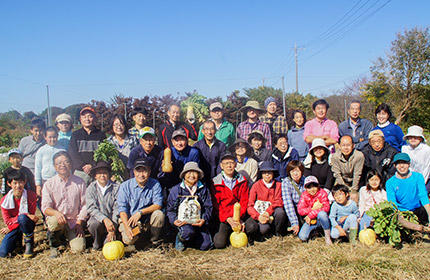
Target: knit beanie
x,y
269,100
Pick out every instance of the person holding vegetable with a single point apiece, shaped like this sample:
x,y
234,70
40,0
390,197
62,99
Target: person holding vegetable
x,y
140,200
229,187
314,207
407,189
122,140
166,129
102,208
84,142
265,206
189,209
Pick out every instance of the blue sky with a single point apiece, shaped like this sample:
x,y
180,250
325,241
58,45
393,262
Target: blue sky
x,y
95,49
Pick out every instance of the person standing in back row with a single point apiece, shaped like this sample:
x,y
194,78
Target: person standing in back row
x,y
29,145
84,142
173,123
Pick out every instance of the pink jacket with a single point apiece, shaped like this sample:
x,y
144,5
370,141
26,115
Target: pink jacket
x,y
307,201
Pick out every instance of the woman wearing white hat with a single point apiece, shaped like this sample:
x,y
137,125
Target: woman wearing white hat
x,y
419,152
317,164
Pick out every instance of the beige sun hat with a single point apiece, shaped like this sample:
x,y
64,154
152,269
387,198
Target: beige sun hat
x,y
252,104
376,132
415,130
191,166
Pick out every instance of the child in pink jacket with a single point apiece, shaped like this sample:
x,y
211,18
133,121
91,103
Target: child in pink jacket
x,y
314,206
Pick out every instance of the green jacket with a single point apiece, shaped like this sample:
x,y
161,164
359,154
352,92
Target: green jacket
x,y
225,133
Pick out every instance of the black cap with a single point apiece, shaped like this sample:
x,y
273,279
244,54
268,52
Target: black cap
x,y
143,162
99,165
227,154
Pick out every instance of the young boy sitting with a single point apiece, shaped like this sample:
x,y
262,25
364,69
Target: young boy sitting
x,y
15,159
189,208
343,214
265,205
18,209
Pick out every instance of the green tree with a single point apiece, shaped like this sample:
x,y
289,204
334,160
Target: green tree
x,y
398,79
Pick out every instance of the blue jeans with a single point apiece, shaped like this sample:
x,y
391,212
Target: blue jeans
x,y
349,223
196,237
322,221
365,221
26,225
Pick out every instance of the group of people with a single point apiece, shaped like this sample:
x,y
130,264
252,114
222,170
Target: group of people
x,y
312,175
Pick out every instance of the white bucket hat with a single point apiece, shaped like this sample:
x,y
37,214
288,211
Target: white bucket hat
x,y
318,142
415,130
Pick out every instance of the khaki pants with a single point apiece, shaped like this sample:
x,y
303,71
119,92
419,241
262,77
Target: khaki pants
x,y
77,244
156,222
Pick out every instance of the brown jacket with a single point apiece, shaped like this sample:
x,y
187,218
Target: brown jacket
x,y
347,172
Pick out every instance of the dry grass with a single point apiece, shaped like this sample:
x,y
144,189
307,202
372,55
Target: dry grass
x,y
277,258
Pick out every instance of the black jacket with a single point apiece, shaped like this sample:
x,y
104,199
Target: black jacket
x,y
381,161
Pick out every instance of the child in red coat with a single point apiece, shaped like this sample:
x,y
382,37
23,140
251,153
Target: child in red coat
x,y
314,206
265,205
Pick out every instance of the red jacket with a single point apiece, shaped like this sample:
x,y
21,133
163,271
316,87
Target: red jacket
x,y
259,191
10,216
226,198
307,201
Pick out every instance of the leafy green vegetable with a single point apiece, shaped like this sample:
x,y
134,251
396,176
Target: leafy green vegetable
x,y
106,151
386,221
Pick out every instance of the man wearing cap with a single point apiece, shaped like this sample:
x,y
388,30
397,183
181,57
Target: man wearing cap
x,y
84,142
278,124
355,126
419,152
140,200
15,160
210,149
224,129
181,154
321,126
378,155
173,123
189,209
252,110
147,149
347,165
138,115
64,124
102,209
229,187
407,189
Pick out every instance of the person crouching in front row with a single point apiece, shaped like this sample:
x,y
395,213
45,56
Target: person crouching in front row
x,y
189,209
265,206
101,198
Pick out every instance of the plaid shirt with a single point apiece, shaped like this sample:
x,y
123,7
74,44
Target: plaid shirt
x,y
278,124
245,128
291,199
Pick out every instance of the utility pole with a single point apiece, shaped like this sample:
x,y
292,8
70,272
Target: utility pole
x,y
344,108
125,111
297,68
263,82
283,97
49,106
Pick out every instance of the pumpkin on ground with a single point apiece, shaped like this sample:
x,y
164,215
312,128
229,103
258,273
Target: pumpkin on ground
x,y
113,250
367,236
238,239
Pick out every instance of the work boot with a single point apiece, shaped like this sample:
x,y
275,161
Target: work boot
x,y
155,235
29,244
353,235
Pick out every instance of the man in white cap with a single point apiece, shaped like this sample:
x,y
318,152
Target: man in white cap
x,y
278,124
419,152
252,110
225,131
